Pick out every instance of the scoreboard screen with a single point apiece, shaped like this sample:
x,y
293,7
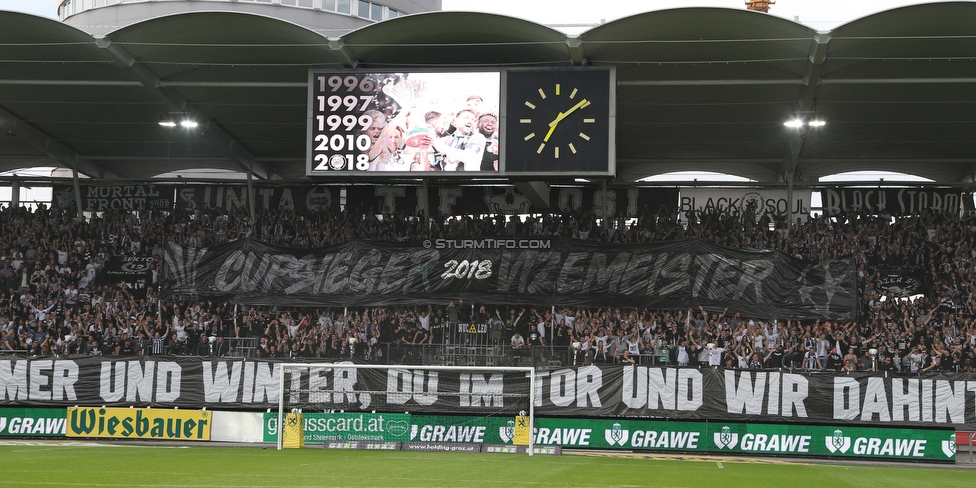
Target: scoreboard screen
x,y
417,123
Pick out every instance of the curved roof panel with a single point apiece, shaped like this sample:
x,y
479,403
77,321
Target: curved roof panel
x,y
927,19
701,34
187,42
457,39
34,45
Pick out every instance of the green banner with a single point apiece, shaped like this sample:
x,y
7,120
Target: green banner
x,y
32,422
320,427
825,440
650,435
779,439
481,430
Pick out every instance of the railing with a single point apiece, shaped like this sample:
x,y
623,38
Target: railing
x,y
472,355
471,334
466,354
483,344
240,347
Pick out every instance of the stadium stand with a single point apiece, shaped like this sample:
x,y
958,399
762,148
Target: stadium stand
x,y
52,303
768,68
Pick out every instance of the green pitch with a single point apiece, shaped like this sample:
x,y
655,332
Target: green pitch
x,y
83,465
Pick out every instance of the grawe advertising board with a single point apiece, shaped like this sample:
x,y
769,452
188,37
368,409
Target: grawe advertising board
x,y
650,435
139,423
771,439
32,422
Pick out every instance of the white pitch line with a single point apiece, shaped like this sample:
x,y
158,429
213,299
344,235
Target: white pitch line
x,y
719,464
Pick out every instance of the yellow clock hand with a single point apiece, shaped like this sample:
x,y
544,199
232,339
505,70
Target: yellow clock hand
x,y
556,120
552,127
562,115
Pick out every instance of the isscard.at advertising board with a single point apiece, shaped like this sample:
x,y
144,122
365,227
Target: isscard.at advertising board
x,y
345,427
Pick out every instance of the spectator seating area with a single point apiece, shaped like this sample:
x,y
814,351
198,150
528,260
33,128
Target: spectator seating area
x,y
53,304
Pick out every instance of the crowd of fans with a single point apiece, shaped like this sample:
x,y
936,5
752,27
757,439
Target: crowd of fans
x,y
52,302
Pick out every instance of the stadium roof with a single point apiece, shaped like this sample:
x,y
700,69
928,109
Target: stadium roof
x,y
697,89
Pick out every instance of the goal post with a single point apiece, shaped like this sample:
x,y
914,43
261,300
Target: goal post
x,y
333,391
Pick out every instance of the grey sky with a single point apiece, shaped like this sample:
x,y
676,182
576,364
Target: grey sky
x,y
818,14
43,8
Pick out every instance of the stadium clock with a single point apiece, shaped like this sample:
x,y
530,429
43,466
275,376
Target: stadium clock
x,y
559,121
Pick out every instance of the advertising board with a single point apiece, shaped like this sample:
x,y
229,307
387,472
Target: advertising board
x,y
346,427
906,444
32,422
139,423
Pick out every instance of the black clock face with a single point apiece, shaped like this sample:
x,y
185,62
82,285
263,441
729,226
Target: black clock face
x,y
558,121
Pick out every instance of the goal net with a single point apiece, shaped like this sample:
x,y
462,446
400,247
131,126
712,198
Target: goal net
x,y
384,405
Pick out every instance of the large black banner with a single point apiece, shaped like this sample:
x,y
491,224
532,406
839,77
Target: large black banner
x,y
894,201
587,391
516,270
